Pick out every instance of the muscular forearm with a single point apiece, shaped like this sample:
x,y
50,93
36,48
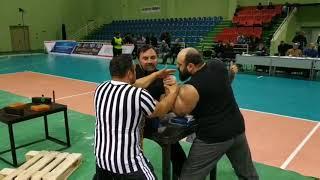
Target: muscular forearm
x,y
165,105
145,81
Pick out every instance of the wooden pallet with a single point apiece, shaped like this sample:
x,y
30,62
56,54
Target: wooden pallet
x,y
44,165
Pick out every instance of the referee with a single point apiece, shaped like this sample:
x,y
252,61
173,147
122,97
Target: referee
x,y
119,108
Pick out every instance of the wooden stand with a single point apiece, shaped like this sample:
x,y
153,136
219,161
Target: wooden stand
x,y
44,165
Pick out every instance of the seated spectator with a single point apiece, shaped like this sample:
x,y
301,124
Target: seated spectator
x,y
154,41
301,39
270,5
311,51
219,49
148,39
283,48
128,39
175,49
318,43
295,51
261,50
285,9
260,7
241,39
229,52
165,51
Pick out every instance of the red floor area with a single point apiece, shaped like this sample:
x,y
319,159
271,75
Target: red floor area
x,y
310,154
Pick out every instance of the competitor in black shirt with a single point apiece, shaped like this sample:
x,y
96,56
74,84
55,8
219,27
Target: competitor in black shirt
x,y
208,96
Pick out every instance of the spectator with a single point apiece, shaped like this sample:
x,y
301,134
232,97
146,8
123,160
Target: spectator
x,y
241,39
148,39
154,41
219,49
318,43
311,51
301,39
295,51
128,39
283,48
175,49
261,50
166,36
270,5
285,9
117,44
165,51
259,7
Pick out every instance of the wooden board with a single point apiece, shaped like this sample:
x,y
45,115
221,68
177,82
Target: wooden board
x,y
44,165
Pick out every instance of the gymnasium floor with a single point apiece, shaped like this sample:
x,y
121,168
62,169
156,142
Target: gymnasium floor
x,y
282,115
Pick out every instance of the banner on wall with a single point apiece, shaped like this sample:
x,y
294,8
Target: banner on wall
x,y
88,48
49,45
152,9
107,50
65,47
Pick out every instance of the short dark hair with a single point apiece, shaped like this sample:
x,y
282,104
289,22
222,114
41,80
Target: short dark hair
x,y
145,48
120,65
193,56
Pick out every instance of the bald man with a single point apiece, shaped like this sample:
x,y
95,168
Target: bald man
x,y
208,96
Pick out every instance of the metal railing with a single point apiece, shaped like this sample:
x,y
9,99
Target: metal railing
x,y
85,30
282,25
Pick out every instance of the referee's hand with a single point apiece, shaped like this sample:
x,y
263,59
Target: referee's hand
x,y
163,73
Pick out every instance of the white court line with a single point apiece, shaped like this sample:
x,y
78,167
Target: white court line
x,y
299,147
66,97
260,77
12,55
63,77
295,118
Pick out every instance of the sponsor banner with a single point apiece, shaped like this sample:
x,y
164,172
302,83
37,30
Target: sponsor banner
x,y
88,48
127,49
152,9
65,47
49,45
107,50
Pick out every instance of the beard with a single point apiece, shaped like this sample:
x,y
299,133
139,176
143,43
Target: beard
x,y
150,68
184,75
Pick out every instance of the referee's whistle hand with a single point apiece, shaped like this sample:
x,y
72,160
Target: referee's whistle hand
x,y
165,72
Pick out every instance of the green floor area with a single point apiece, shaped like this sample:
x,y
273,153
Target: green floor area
x,y
82,134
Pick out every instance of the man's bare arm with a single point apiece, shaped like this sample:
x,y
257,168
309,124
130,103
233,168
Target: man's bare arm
x,y
186,101
147,80
167,102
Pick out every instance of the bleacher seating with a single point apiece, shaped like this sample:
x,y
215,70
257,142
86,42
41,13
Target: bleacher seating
x,y
250,16
190,29
249,21
231,34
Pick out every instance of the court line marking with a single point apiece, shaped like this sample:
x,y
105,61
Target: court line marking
x,y
63,77
291,117
30,54
66,97
299,147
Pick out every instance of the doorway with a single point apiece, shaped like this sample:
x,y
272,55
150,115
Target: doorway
x,y
20,38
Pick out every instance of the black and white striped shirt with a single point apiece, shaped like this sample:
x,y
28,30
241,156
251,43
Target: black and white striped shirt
x,y
119,109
